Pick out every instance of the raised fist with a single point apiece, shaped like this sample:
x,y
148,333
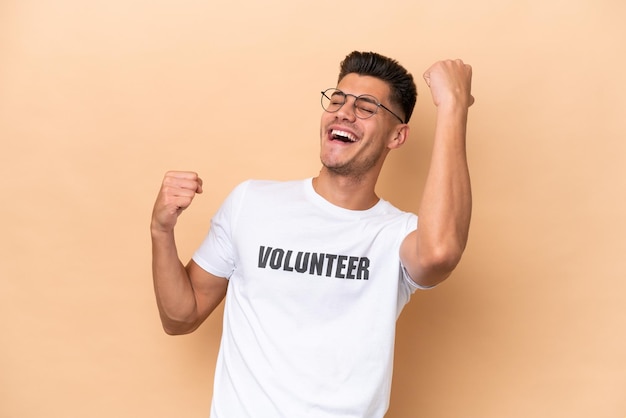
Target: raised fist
x,y
176,194
450,83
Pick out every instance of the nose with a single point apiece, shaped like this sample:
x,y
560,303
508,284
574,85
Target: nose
x,y
348,110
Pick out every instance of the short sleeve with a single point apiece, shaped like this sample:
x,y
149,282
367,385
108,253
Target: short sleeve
x,y
216,254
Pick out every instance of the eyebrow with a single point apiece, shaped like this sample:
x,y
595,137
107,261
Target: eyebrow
x,y
365,96
369,98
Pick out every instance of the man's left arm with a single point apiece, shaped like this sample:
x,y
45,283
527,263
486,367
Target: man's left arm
x,y
433,250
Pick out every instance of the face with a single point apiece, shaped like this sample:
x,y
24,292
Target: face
x,y
355,147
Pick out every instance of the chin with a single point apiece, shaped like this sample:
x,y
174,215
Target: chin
x,y
343,170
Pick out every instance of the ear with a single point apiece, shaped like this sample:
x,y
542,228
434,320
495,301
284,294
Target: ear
x,y
399,136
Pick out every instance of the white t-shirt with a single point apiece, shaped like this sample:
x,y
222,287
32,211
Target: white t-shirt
x,y
313,296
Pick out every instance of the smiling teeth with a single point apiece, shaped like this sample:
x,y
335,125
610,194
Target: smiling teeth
x,y
336,132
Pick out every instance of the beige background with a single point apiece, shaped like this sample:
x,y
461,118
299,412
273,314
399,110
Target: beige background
x,y
98,98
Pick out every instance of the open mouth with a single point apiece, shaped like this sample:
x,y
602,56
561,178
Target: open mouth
x,y
342,136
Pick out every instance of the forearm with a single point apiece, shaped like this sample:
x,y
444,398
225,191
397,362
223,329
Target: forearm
x,y
445,209
173,289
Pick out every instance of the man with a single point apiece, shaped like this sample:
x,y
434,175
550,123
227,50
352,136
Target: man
x,y
316,271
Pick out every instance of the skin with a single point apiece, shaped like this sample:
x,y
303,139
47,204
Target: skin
x,y
431,253
186,295
350,170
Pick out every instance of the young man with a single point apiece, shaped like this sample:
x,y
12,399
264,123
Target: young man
x,y
316,271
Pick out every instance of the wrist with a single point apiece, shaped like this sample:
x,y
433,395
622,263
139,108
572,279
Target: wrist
x,y
159,231
452,113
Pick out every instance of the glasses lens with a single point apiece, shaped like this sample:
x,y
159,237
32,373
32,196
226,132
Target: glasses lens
x,y
366,106
332,100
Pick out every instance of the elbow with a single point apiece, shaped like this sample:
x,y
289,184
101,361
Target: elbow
x,y
172,331
176,330
438,265
445,258
431,258
177,327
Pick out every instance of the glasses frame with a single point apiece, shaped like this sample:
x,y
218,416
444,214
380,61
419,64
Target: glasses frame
x,y
376,102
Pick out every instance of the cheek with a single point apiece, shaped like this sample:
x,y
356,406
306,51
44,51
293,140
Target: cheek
x,y
326,118
323,129
323,123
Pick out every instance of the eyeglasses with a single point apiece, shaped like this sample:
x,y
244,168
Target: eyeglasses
x,y
365,105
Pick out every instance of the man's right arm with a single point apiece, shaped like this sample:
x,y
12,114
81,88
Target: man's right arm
x,y
185,296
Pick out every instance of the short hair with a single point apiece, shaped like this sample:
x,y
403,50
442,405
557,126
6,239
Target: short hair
x,y
400,81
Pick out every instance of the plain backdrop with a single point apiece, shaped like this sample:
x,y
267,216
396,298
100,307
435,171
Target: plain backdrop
x,y
99,98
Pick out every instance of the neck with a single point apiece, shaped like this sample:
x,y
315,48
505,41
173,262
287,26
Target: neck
x,y
354,193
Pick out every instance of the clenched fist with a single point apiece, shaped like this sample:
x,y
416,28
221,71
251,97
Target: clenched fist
x,y
450,83
176,194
